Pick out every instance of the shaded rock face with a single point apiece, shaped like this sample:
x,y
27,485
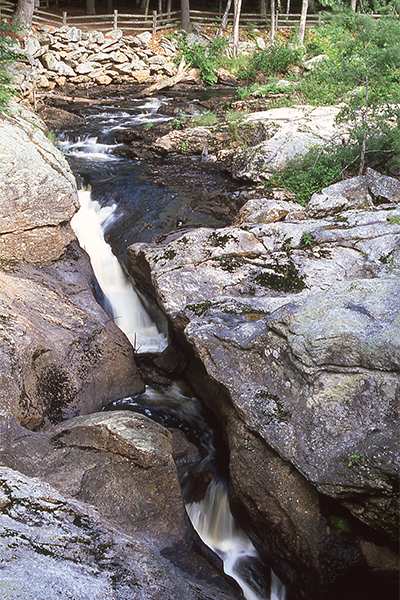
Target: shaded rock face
x,y
60,354
296,324
38,193
74,552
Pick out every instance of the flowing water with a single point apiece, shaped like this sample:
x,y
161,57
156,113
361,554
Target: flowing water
x,y
91,152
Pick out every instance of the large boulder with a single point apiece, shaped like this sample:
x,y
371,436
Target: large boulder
x,y
291,132
38,195
54,547
61,355
294,329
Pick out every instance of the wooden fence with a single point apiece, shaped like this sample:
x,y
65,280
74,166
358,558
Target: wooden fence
x,y
155,21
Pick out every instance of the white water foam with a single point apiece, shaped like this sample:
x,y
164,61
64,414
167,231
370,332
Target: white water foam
x,y
213,521
88,147
127,310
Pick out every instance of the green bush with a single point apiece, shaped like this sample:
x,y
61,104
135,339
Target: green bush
x,y
315,170
276,58
204,58
206,119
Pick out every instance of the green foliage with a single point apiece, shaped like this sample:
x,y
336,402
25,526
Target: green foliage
x,y
205,119
7,56
276,58
364,70
340,525
200,308
355,460
309,173
283,278
394,220
307,240
243,93
204,58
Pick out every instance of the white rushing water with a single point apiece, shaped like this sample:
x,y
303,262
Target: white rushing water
x,y
211,517
214,523
127,310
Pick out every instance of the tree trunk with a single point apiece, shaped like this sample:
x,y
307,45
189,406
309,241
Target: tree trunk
x,y
353,5
185,16
109,7
288,7
237,7
90,7
303,18
263,9
24,13
224,18
272,31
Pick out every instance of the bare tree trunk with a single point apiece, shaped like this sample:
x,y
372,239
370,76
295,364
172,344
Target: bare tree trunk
x,y
263,8
303,18
185,16
353,5
224,18
272,31
109,7
237,7
24,13
288,7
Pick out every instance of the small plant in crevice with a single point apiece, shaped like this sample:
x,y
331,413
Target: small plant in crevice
x,y
307,240
354,460
169,254
394,220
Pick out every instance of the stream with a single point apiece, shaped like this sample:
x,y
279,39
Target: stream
x,y
115,191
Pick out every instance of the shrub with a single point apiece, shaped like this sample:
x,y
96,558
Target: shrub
x,y
276,58
206,119
204,58
317,169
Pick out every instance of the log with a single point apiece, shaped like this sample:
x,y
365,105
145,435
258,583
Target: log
x,y
165,83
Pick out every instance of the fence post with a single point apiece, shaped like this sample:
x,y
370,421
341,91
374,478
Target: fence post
x,y
154,22
115,19
64,21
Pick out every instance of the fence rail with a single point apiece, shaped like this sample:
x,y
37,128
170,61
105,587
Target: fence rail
x,y
155,21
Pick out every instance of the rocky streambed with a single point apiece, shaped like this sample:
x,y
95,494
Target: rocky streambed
x,y
288,322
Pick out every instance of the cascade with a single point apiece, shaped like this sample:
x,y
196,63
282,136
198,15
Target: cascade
x,y
210,516
123,302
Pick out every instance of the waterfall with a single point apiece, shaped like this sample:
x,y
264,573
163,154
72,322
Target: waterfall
x,y
211,517
124,304
216,526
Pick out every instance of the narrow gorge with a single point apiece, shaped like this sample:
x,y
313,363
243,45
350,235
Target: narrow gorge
x,y
253,365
